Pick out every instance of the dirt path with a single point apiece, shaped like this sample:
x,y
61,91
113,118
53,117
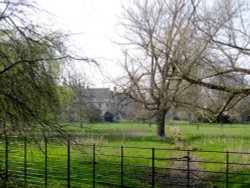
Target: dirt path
x,y
182,169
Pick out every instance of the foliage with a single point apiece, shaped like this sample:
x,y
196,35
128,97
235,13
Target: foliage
x,y
29,91
65,97
30,59
92,114
224,119
108,116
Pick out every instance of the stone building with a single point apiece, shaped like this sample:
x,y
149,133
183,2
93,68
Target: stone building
x,y
109,101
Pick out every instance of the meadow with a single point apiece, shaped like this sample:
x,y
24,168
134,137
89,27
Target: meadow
x,y
137,141
179,135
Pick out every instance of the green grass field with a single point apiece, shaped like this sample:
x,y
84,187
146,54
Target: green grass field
x,y
180,136
232,137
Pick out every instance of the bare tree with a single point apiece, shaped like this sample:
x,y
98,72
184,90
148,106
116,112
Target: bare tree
x,y
174,46
78,106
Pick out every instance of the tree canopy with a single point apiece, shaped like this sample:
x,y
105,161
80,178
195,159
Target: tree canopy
x,y
30,58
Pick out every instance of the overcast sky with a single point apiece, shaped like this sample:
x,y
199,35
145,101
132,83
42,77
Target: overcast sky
x,y
93,23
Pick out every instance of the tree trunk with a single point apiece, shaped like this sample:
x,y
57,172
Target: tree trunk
x,y
160,121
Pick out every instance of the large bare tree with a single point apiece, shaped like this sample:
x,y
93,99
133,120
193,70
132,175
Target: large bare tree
x,y
176,49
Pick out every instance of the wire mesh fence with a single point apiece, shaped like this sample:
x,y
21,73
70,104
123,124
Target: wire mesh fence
x,y
51,162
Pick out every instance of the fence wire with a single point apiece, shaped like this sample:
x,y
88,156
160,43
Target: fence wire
x,y
56,163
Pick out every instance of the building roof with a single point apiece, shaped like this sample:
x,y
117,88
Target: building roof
x,y
97,93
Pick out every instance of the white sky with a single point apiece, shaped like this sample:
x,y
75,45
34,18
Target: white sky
x,y
94,22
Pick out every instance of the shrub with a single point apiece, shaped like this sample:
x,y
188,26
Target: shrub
x,y
108,116
176,118
224,119
92,114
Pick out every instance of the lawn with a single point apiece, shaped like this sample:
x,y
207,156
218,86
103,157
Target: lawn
x,y
112,138
180,135
231,137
